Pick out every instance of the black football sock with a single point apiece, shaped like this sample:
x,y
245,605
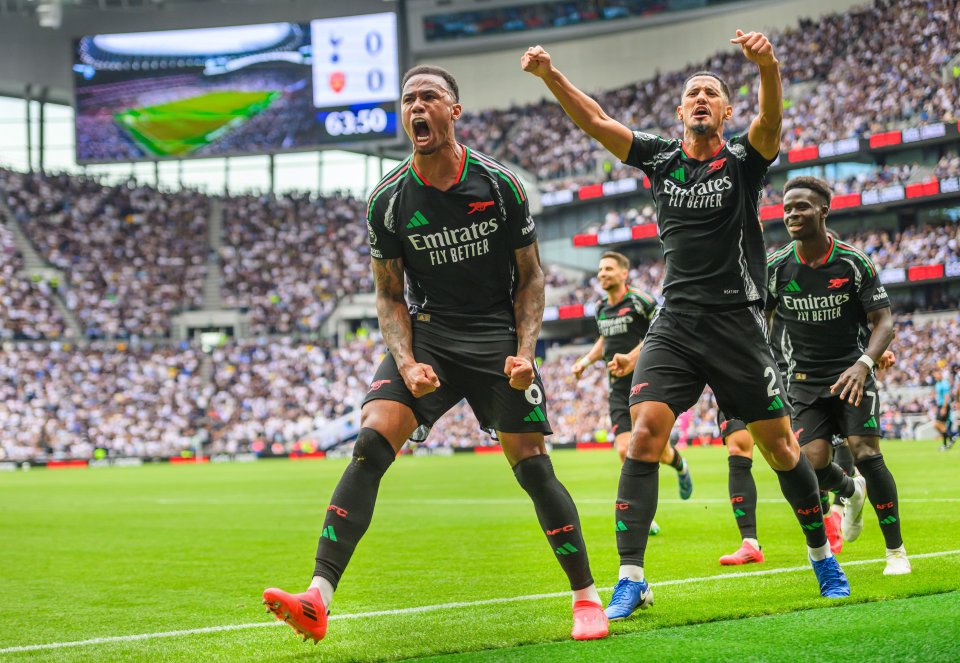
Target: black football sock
x,y
351,507
825,502
677,462
636,505
832,478
843,457
799,486
743,495
882,492
558,517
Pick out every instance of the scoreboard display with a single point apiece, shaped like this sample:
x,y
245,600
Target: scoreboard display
x,y
355,74
251,89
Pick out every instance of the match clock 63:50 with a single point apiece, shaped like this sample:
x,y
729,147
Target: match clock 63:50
x,y
358,121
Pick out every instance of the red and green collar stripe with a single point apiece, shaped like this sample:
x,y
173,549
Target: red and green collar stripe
x,y
461,174
833,248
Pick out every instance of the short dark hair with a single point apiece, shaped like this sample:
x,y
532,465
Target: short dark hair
x,y
620,259
433,70
723,84
815,184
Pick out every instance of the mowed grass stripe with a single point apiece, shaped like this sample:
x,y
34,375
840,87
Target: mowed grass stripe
x,y
162,548
912,629
441,606
179,127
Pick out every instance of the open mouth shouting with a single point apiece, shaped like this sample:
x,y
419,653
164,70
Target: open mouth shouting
x,y
701,113
421,131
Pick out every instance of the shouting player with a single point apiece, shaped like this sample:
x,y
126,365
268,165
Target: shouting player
x,y
711,328
623,318
826,292
454,227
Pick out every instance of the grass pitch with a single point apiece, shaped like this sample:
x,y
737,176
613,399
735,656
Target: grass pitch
x,y
100,553
180,127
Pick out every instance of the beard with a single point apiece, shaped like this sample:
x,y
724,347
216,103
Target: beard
x,y
700,128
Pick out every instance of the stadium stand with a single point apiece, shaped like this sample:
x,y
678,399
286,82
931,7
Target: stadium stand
x,y
27,310
132,255
59,401
835,87
288,259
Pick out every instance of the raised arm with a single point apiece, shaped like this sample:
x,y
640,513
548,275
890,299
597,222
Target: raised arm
x,y
764,134
581,108
528,314
396,328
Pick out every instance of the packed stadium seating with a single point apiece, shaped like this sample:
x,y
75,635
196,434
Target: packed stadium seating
x,y
27,310
131,255
845,75
288,259
57,401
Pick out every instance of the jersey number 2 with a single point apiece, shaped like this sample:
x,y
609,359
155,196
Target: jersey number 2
x,y
769,372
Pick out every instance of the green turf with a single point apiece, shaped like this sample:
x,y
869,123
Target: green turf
x,y
180,127
915,629
117,551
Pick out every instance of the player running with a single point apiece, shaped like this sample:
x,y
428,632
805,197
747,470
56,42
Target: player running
x,y
623,318
710,329
943,422
454,227
825,291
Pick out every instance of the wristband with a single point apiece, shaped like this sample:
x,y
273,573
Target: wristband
x,y
866,359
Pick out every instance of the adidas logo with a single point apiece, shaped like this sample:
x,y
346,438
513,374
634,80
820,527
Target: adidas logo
x,y
775,404
536,414
739,513
621,527
889,520
566,549
328,533
812,526
679,175
791,287
871,423
417,220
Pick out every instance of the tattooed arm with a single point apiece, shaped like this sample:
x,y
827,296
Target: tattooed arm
x,y
528,313
396,328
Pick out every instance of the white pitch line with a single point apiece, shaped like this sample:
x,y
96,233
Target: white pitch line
x,y
431,608
467,501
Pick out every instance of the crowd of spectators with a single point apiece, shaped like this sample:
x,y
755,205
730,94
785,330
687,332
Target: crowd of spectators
x,y
59,401
915,245
131,256
863,71
542,15
282,391
289,259
878,178
27,309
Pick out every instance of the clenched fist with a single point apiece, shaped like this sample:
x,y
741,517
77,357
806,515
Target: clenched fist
x,y
520,372
536,61
756,47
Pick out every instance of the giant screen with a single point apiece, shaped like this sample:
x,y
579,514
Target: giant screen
x,y
236,90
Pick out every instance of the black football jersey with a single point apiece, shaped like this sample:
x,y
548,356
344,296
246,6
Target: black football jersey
x,y
624,323
708,213
823,311
457,245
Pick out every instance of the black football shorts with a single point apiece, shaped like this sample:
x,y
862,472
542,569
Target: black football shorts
x,y
470,369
